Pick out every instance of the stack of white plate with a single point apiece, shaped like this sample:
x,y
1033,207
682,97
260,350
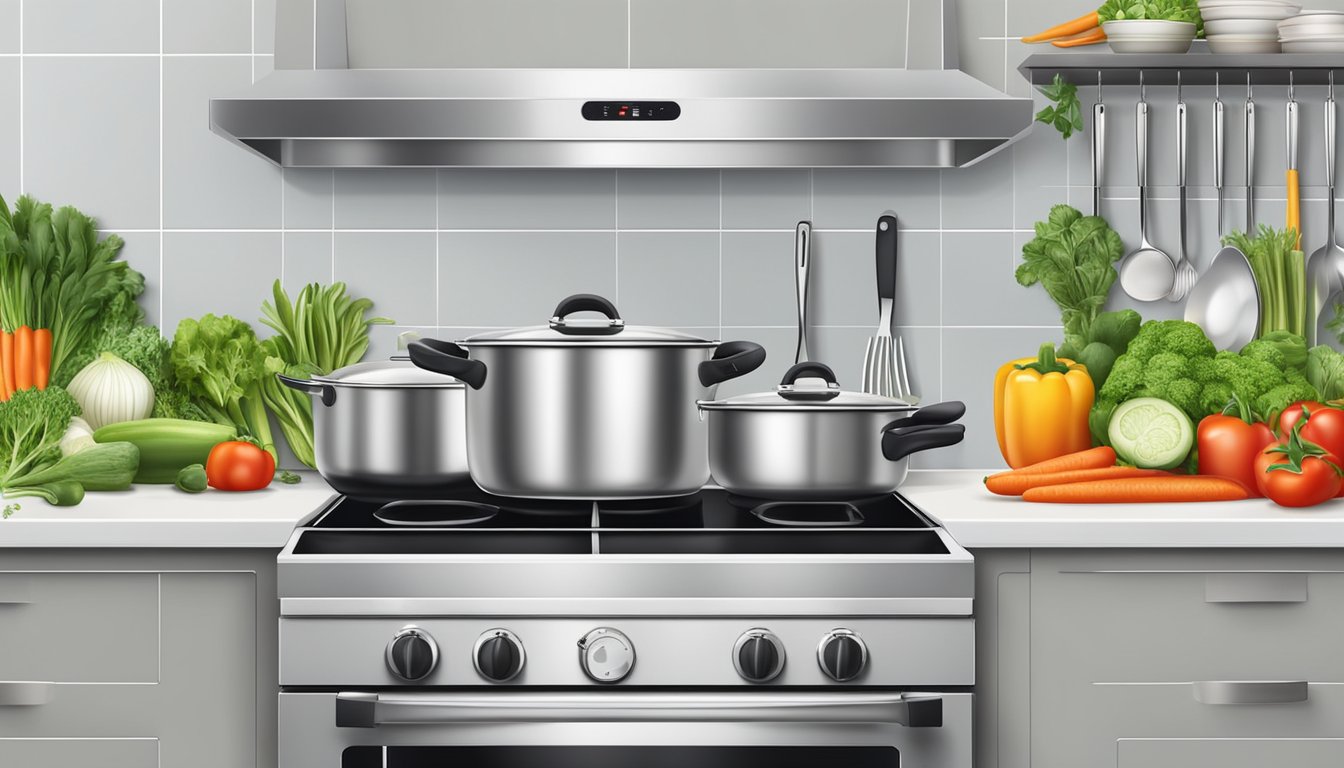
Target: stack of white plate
x,y
1245,26
1149,36
1313,32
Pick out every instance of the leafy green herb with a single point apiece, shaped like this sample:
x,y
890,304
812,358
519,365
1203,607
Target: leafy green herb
x,y
9,510
287,477
219,363
1281,273
321,330
101,467
1325,371
32,423
1156,10
1066,114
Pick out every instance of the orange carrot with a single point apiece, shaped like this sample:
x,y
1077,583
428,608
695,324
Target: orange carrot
x,y
42,357
1090,37
23,358
1016,483
1092,458
1141,490
1077,26
7,362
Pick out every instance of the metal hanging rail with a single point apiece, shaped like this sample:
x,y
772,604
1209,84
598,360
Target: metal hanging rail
x,y
1195,68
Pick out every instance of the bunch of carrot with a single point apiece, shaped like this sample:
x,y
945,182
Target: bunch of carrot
x,y
1091,477
1084,30
25,360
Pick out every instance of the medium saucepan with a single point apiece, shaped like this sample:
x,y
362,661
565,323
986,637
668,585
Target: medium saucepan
x,y
387,429
587,409
818,442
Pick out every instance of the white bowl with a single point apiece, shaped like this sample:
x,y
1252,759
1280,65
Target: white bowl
x,y
1257,10
1295,37
1313,17
1223,3
1242,44
1315,46
1149,28
1154,45
1241,27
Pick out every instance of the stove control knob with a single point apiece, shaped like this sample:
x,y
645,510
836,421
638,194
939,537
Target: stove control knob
x,y
842,655
606,655
758,656
412,654
498,655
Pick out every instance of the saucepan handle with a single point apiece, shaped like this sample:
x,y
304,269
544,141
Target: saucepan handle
x,y
731,360
809,370
941,413
586,302
448,359
903,441
325,392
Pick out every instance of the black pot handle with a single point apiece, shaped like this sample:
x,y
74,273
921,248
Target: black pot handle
x,y
941,413
324,391
809,370
587,302
903,441
731,360
448,359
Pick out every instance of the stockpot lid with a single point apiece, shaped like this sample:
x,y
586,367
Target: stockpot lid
x,y
792,396
564,330
397,373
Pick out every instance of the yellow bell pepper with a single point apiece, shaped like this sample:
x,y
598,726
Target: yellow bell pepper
x,y
1040,408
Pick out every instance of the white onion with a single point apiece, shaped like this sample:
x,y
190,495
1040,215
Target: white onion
x,y
111,390
78,436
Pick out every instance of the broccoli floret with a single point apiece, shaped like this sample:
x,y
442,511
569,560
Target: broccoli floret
x,y
1185,339
1126,376
1163,369
1215,396
1185,394
1271,404
1248,377
1266,351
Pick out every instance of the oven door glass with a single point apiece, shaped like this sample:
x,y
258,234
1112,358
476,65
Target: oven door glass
x,y
620,757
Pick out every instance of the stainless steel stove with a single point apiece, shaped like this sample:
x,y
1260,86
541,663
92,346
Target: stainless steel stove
x,y
710,630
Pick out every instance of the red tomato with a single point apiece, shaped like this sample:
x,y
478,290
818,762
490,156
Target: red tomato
x,y
239,466
1229,446
1307,481
1324,427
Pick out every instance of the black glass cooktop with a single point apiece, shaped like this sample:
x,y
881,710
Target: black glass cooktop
x,y
711,522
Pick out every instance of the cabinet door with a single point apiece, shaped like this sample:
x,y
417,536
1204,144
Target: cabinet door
x,y
83,627
79,753
1229,753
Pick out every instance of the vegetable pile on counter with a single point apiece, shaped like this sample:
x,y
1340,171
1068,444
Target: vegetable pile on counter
x,y
93,399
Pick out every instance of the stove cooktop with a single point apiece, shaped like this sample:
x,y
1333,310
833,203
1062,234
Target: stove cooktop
x,y
712,521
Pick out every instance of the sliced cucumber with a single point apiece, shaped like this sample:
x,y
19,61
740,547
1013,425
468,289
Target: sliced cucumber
x,y
1151,433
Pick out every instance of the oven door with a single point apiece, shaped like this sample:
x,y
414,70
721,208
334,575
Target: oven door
x,y
625,730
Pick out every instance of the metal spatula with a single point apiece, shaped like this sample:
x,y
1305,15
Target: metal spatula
x,y
884,362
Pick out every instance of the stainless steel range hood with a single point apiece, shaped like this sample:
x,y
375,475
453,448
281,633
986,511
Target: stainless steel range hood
x,y
332,116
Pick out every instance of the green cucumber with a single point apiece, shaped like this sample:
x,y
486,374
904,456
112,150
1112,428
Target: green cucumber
x,y
1151,433
166,445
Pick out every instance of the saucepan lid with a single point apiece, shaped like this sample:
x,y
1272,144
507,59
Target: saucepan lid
x,y
564,329
809,387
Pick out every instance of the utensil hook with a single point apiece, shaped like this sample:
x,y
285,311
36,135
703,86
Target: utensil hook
x,y
1178,86
1331,78
1217,86
1292,88
1250,90
1099,99
1143,88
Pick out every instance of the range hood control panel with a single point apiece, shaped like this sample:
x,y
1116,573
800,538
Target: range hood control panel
x,y
631,110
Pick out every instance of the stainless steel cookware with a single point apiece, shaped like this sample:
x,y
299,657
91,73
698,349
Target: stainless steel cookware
x,y
387,429
587,409
810,441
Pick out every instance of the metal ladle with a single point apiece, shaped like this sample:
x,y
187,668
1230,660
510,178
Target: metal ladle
x,y
1325,268
1147,273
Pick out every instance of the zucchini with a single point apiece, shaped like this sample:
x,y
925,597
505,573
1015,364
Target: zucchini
x,y
102,467
166,445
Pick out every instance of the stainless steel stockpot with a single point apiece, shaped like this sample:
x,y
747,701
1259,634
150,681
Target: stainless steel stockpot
x,y
387,429
819,442
587,409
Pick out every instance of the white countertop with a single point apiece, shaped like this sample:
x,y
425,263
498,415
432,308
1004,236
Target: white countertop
x,y
162,516
977,518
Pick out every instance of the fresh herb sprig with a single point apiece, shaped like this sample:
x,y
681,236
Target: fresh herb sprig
x,y
1066,114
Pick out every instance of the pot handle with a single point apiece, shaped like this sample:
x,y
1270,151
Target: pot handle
x,y
901,442
586,302
807,370
448,359
731,360
324,391
816,370
941,413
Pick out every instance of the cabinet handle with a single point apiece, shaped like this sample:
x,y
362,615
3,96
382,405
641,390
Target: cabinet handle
x,y
1255,588
27,693
1220,692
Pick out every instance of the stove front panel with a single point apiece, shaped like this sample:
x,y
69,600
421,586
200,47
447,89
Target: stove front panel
x,y
341,653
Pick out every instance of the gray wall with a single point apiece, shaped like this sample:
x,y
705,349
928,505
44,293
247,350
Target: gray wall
x,y
111,116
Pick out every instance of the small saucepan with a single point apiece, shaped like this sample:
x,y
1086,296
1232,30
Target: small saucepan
x,y
387,429
816,441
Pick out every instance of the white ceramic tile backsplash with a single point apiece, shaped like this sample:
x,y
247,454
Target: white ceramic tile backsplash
x,y
111,116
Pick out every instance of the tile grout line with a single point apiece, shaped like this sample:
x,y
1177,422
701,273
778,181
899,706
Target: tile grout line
x,y
22,111
438,252
616,212
720,282
163,255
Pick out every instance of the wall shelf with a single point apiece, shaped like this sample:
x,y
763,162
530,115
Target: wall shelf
x,y
1198,67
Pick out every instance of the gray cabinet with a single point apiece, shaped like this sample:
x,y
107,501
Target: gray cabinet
x,y
1157,657
138,658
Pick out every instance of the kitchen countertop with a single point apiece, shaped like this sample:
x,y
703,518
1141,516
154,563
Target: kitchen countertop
x,y
978,519
162,516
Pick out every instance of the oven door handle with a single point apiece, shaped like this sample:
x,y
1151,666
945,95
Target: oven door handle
x,y
369,710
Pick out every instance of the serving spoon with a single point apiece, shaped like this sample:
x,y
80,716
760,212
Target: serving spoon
x,y
1148,273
